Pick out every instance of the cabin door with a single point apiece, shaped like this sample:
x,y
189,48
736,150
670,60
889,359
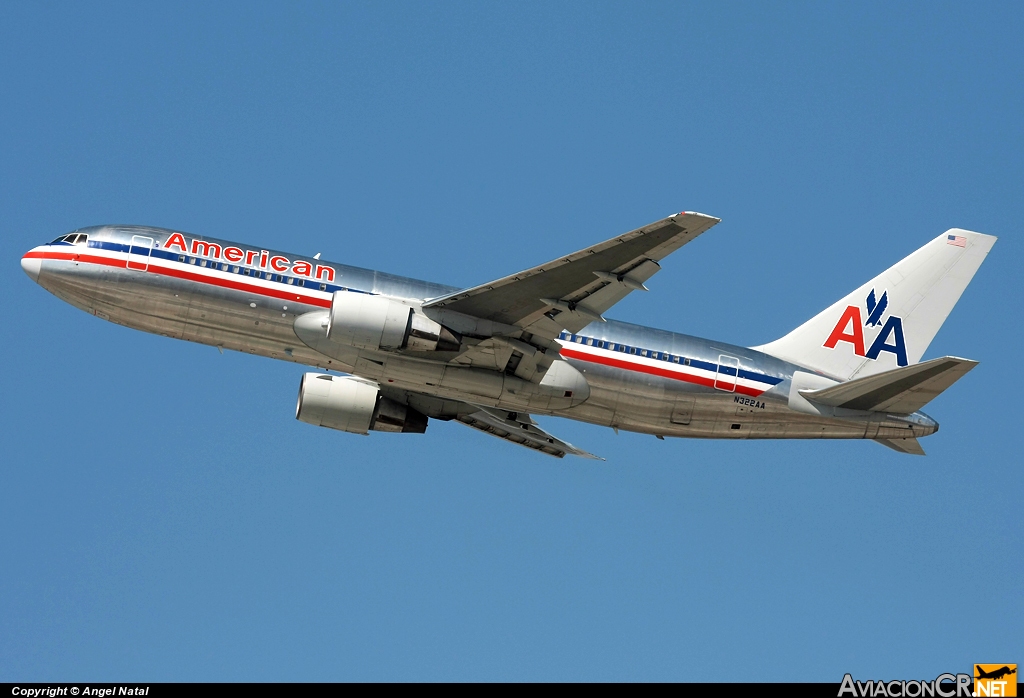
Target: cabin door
x,y
139,251
728,370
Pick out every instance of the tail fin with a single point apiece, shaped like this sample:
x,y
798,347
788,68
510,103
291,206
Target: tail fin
x,y
889,321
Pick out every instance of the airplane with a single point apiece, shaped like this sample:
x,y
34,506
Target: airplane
x,y
395,352
996,674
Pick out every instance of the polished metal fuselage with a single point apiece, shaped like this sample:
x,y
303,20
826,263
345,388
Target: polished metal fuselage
x,y
257,315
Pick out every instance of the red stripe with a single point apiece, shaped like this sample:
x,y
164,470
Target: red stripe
x,y
187,275
326,303
652,370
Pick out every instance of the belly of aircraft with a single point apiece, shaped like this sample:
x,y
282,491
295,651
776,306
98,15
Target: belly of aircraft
x,y
664,407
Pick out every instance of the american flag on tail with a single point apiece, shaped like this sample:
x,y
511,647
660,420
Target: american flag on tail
x,y
958,240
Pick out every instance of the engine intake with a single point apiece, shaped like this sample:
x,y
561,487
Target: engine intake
x,y
351,404
378,322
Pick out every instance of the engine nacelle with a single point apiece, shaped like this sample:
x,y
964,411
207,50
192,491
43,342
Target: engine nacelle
x,y
378,322
351,404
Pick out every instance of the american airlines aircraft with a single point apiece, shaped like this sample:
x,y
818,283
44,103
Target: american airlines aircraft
x,y
535,342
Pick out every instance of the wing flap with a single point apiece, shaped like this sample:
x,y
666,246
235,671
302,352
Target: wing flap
x,y
900,391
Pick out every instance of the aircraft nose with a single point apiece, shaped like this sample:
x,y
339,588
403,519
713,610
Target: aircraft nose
x,y
32,265
927,425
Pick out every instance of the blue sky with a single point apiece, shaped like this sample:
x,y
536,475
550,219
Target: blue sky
x,y
164,516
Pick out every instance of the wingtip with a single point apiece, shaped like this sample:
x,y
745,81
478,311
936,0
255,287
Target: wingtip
x,y
698,215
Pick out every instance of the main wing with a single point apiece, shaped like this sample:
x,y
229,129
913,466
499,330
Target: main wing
x,y
519,428
573,291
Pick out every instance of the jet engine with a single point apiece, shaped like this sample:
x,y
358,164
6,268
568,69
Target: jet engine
x,y
378,322
351,404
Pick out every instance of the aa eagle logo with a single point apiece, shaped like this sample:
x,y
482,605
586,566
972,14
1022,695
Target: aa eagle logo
x,y
876,310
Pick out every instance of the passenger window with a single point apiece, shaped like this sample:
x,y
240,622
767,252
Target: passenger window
x,y
181,258
223,267
202,262
191,260
323,287
686,362
291,280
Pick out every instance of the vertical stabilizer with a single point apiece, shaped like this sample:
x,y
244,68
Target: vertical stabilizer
x,y
889,321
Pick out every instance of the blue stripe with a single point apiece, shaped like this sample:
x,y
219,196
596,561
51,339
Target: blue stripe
x,y
694,363
170,256
331,288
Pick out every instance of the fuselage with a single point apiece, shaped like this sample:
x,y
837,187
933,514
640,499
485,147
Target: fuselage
x,y
247,299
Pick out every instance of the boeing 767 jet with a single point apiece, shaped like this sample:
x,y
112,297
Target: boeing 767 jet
x,y
536,342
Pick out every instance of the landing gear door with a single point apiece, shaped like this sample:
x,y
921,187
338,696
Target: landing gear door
x,y
139,251
728,371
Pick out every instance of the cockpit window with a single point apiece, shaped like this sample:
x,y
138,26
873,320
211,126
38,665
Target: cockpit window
x,y
72,239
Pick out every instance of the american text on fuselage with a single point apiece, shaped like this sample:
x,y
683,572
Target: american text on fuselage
x,y
535,343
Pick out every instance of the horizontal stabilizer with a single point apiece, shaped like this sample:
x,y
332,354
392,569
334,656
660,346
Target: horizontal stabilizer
x,y
520,429
910,446
899,391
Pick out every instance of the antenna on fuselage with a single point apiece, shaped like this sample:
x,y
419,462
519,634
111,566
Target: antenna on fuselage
x,y
316,256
